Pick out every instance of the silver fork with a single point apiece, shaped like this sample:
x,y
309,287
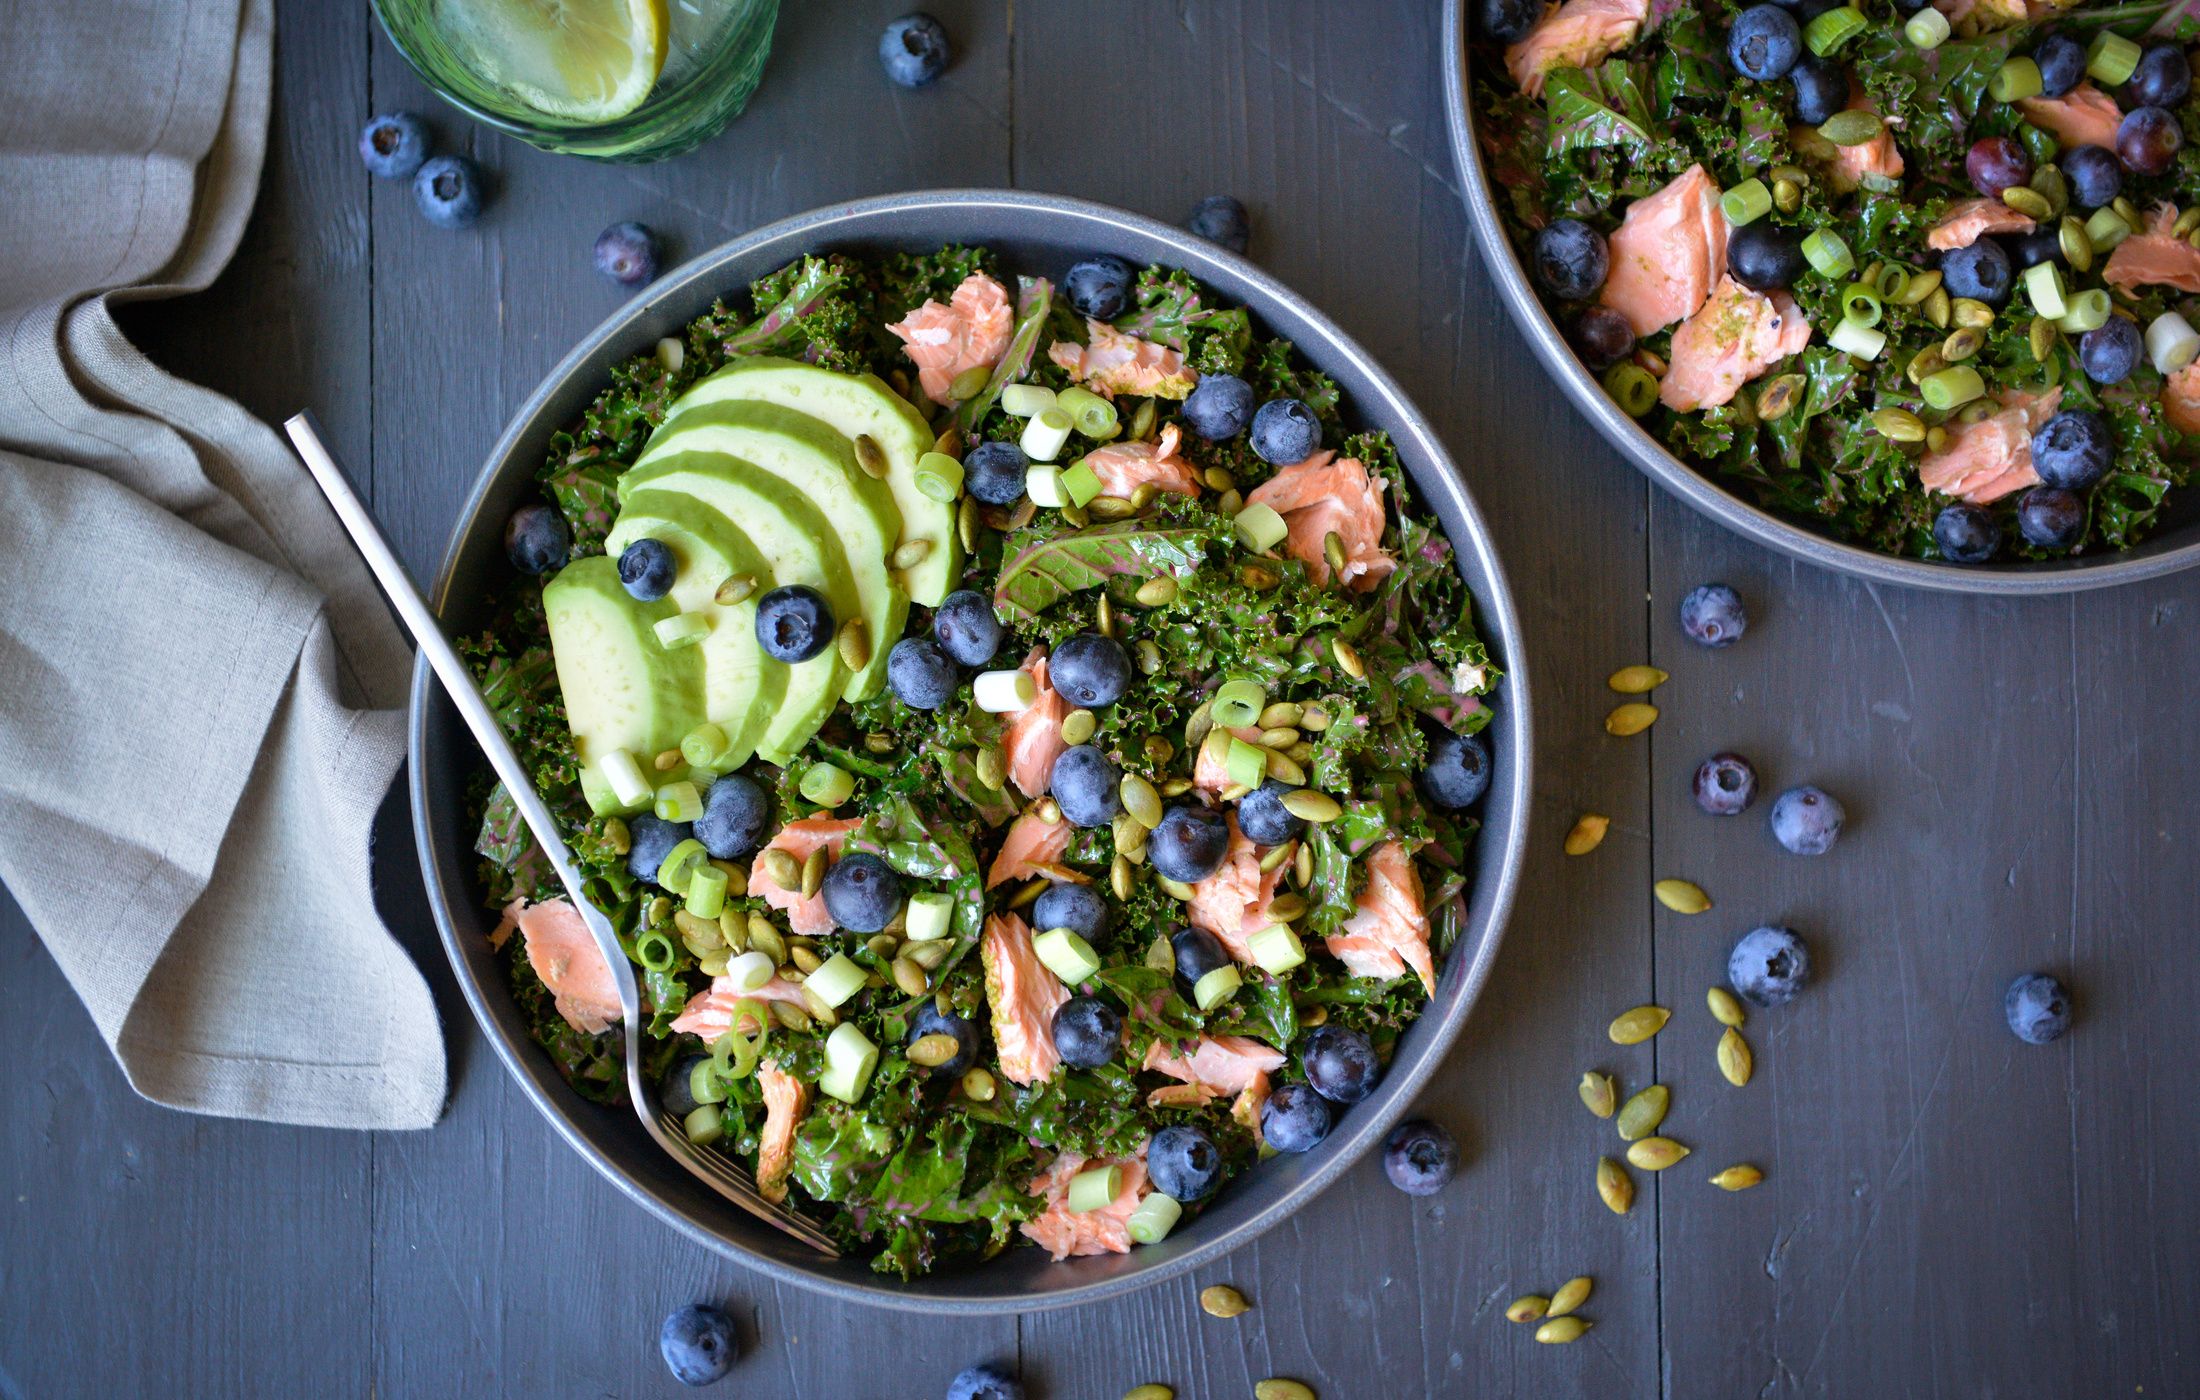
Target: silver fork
x,y
723,1174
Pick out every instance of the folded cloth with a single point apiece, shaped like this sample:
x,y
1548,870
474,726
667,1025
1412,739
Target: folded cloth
x,y
199,686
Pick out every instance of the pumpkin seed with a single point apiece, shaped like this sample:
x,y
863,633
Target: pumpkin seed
x,y
1638,1025
1104,615
1078,726
871,457
1853,127
1120,877
1158,748
733,930
1229,502
660,909
1636,680
992,769
2040,336
1333,552
1615,1186
1029,894
1927,361
2053,188
1221,1300
1682,896
805,958
781,868
1281,715
765,938
1962,344
1899,425
1528,1307
910,553
966,523
1734,1057
1277,856
1631,718
1977,412
1314,719
1156,592
1936,438
1149,1392
1920,286
813,872
1287,908
1588,833
1140,800
1571,1295
1560,1330
1316,1015
1739,1177
1640,1115
1726,1008
820,1011
1276,1388
929,955
737,879
735,589
1597,1093
667,761
617,836
1218,478
790,1016
1782,394
910,978
882,945
1970,311
2077,244
1048,810
2127,211
1285,769
1149,657
949,443
2028,202
1302,865
978,1086
1655,1154
1110,508
1309,804
692,927
1938,308
1176,787
1278,738
1174,889
855,644
970,383
1347,658
713,963
933,1050
1200,728
1787,196
2185,223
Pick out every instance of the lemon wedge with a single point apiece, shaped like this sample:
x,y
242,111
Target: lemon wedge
x,y
574,60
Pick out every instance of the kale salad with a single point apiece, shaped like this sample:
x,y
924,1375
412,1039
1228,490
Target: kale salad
x,y
1026,745
1926,276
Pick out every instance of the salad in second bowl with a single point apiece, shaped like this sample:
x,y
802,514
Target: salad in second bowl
x,y
1026,745
1917,273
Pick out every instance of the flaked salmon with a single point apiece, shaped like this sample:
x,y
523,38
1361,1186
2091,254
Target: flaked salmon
x,y
1667,253
1224,1064
711,1014
1247,1108
1113,362
786,1099
1966,223
2154,257
1986,460
1972,17
1123,467
1738,335
807,917
1388,930
1023,996
564,955
1032,738
1879,157
1033,846
968,330
2083,116
1063,1232
2181,399
1232,904
1324,495
1578,34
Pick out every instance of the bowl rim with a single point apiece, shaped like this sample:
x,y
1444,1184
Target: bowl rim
x,y
2151,559
1417,442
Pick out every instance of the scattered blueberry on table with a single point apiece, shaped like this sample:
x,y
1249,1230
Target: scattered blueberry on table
x,y
1712,615
2037,1007
394,145
1419,1157
698,1344
794,623
1341,1064
448,191
985,1383
735,813
646,569
627,254
537,539
1184,1162
921,673
1768,966
862,892
914,50
1295,1118
1221,218
1807,820
1725,784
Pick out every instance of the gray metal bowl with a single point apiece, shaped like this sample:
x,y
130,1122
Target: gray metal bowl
x,y
2174,545
1040,234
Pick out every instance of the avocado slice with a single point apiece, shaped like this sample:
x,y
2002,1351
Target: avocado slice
x,y
798,542
741,685
855,404
820,463
623,689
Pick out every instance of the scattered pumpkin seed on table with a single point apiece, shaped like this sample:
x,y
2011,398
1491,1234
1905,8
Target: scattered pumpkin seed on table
x,y
1726,1008
1560,1330
1734,1057
1682,896
1149,1392
1638,1025
1277,1388
1637,680
1655,1154
1221,1300
1630,719
1644,1110
1588,834
1597,1093
1739,1177
1571,1294
1528,1307
1615,1186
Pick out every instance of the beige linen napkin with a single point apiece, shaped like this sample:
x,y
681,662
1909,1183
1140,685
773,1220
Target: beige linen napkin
x,y
199,686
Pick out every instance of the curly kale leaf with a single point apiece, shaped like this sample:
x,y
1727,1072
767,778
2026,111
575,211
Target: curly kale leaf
x,y
1172,311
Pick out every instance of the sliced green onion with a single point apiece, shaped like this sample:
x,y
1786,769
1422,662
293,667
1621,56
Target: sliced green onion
x,y
2016,79
679,862
1276,949
704,1125
970,383
2088,311
1259,527
1093,415
1829,254
2043,285
1026,400
1044,435
929,915
1952,387
741,1052
1043,483
680,630
836,980
1829,31
2105,229
849,1059
1216,988
750,971
1857,339
1004,692
623,775
2112,59
679,802
1632,388
1154,1218
705,746
827,784
653,950
1238,703
1892,282
1245,764
939,476
706,891
704,1085
1861,304
1855,127
1746,203
1927,29
1080,483
749,1011
1066,955
2172,343
1094,1188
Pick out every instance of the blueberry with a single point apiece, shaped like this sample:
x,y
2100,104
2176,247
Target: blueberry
x,y
698,1344
1980,271
676,1091
1506,20
921,673
1184,1162
448,191
1570,259
1768,966
1966,534
1099,287
1087,1032
984,1383
2162,79
1084,785
1601,336
627,254
394,145
1340,1064
647,568
861,892
1997,163
930,1020
1189,844
1712,616
2112,350
2031,249
1219,407
1078,908
1090,670
2062,66
2037,1008
1725,784
650,839
536,539
1821,89
1764,43
1294,1119
794,623
1764,258
1197,953
1419,1157
735,812
1263,817
967,628
2096,177
913,50
1807,820
2051,517
1458,770
1807,10
1220,218
1285,432
2074,449
994,472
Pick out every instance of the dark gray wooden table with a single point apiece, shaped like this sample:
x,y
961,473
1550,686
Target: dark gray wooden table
x,y
1946,1212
